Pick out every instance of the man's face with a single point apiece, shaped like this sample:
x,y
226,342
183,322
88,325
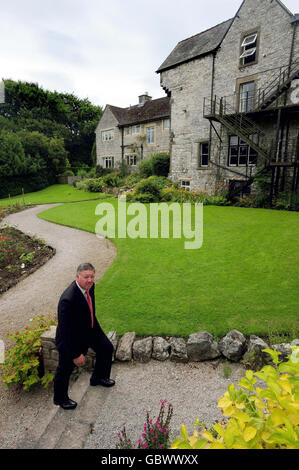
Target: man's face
x,y
85,279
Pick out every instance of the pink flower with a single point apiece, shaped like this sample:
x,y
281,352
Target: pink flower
x,y
160,446
144,446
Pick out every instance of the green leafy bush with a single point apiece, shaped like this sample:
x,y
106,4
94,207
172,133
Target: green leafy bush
x,y
144,198
157,164
112,180
148,186
23,362
258,418
145,168
161,163
92,185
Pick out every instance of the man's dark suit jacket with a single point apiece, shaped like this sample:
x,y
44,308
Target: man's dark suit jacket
x,y
74,322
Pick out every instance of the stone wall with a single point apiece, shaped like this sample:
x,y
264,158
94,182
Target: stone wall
x,y
111,148
200,346
189,83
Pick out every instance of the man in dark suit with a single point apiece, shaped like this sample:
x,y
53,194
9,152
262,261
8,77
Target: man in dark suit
x,y
77,330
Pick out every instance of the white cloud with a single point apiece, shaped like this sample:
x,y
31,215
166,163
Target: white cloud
x,y
105,51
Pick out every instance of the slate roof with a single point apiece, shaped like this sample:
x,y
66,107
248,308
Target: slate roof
x,y
196,46
150,111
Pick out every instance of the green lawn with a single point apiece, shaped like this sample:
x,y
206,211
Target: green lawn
x,y
245,276
51,195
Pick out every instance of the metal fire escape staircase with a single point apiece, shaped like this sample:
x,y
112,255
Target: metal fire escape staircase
x,y
239,123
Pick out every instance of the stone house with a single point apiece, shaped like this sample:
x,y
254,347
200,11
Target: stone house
x,y
127,135
234,98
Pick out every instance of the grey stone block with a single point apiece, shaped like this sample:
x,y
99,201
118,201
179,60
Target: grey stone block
x,y
125,346
142,349
233,345
178,350
201,346
161,349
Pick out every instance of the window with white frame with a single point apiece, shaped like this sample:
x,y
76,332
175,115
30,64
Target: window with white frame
x,y
128,131
150,135
249,49
186,185
108,162
204,154
107,135
240,153
131,160
135,130
166,124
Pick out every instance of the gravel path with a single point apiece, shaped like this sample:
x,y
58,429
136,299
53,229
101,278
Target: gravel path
x,y
192,388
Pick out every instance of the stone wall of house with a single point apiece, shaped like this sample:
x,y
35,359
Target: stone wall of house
x,y
275,39
110,148
161,143
113,147
190,83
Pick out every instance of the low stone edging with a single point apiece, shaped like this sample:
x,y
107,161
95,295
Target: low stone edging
x,y
200,346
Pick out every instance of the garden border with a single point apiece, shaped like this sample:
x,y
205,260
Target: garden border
x,y
200,346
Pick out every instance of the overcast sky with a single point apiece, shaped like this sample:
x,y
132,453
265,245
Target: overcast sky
x,y
106,51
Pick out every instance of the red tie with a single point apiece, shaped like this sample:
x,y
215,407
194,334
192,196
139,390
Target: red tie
x,y
90,306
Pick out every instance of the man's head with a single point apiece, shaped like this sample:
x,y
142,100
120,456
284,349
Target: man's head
x,y
85,275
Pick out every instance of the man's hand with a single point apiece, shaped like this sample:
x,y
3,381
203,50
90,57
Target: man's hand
x,y
79,361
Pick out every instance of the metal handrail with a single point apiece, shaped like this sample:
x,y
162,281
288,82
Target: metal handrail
x,y
231,103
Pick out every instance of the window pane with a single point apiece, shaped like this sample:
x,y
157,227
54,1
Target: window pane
x,y
248,53
234,151
166,123
251,39
233,160
234,140
204,154
150,135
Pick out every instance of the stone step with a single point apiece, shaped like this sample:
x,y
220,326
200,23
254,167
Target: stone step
x,y
69,429
61,419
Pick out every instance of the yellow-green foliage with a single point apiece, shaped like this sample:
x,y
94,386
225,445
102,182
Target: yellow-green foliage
x,y
257,418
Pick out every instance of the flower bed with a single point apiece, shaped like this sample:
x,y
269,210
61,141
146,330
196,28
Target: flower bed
x,y
20,255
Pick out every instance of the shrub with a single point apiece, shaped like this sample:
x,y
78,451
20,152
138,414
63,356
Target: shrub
x,y
148,186
144,198
112,180
23,362
160,163
258,418
67,173
145,168
92,185
160,181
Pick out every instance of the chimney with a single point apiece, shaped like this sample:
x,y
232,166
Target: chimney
x,y
144,98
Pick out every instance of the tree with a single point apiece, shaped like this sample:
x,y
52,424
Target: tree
x,y
59,115
13,161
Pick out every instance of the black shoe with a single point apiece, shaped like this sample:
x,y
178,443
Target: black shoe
x,y
103,382
66,404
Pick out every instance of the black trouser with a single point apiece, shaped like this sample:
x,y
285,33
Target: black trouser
x,y
103,349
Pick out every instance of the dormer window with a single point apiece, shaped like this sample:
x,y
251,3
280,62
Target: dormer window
x,y
249,49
